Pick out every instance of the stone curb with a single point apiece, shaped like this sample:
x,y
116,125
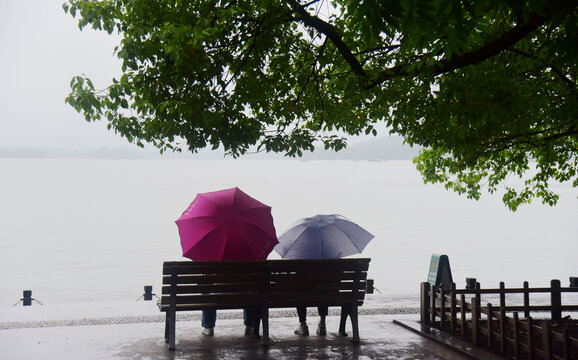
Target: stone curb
x,y
186,317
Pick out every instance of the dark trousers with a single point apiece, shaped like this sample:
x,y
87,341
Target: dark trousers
x,y
302,312
251,316
323,311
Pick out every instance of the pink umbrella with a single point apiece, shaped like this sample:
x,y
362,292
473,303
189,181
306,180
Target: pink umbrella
x,y
226,225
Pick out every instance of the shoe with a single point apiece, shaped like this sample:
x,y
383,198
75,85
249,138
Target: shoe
x,y
208,331
302,330
249,330
321,330
342,333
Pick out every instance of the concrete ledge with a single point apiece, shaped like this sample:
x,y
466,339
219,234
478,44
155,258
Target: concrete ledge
x,y
190,316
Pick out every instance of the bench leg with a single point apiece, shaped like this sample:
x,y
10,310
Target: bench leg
x,y
265,319
343,320
354,324
166,327
171,319
257,329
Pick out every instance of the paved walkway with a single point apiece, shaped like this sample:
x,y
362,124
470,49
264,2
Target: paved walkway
x,y
381,338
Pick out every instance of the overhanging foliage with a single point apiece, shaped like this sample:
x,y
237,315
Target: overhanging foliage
x,y
486,87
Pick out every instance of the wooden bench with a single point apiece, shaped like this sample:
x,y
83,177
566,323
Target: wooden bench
x,y
266,284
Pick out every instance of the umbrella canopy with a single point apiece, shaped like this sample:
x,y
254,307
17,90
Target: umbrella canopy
x,y
226,225
322,237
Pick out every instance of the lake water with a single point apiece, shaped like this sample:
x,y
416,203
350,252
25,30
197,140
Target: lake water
x,y
96,231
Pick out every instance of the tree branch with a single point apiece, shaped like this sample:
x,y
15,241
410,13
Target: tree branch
x,y
506,40
331,32
313,72
380,49
526,138
569,82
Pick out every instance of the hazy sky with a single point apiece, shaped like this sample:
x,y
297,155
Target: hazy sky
x,y
41,49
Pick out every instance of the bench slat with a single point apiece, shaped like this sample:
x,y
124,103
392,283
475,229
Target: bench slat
x,y
212,278
305,277
326,287
240,298
293,290
200,267
288,288
213,288
274,277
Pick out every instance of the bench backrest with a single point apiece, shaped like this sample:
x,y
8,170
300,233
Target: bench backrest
x,y
278,283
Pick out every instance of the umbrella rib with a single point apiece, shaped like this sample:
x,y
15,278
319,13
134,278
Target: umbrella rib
x,y
296,238
290,247
261,230
354,244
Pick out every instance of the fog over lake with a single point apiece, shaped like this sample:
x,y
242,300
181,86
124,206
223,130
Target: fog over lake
x,y
87,231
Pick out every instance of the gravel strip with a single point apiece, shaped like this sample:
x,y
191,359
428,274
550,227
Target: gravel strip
x,y
188,317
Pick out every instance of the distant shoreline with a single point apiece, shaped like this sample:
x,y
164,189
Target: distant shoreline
x,y
377,149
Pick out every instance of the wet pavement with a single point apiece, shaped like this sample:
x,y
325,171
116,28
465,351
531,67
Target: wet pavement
x,y
382,337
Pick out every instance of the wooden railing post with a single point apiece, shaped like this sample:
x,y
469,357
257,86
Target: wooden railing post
x,y
502,317
546,340
516,332
463,307
526,300
478,296
502,294
453,307
503,330
530,337
433,306
565,343
475,320
490,324
442,308
556,300
425,303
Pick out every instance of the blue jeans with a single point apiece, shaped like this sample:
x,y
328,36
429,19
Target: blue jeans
x,y
209,318
251,317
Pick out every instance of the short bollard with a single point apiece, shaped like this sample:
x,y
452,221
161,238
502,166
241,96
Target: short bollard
x,y
148,293
470,283
26,298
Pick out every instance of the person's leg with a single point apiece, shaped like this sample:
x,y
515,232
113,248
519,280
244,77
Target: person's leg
x,y
302,314
302,329
343,320
209,318
323,311
247,317
321,327
251,320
